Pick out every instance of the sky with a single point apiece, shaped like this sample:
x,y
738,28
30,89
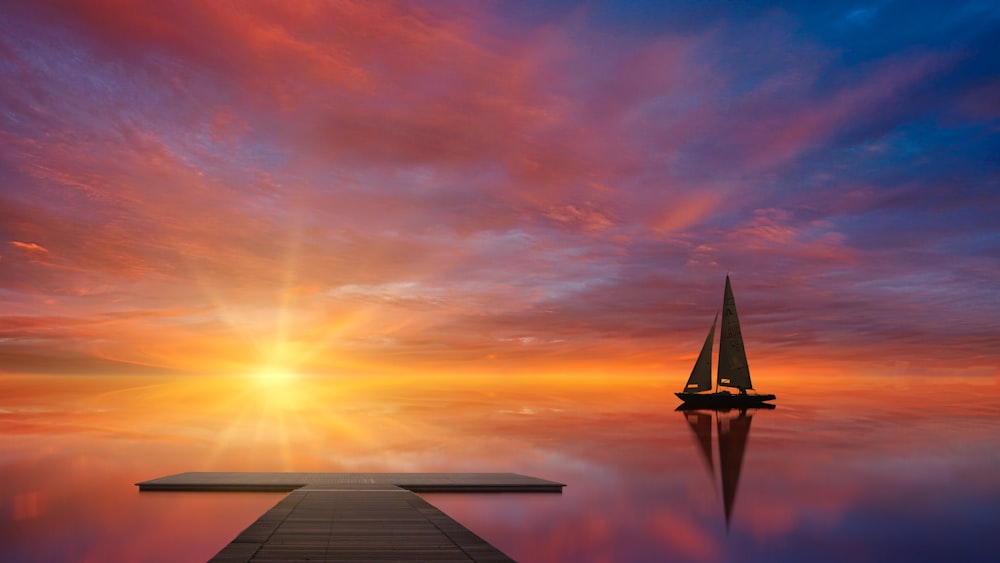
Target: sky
x,y
338,187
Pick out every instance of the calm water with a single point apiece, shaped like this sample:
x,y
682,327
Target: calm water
x,y
893,469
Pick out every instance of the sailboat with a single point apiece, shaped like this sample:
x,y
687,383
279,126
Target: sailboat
x,y
733,370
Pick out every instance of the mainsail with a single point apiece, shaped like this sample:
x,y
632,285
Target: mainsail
x,y
733,368
701,374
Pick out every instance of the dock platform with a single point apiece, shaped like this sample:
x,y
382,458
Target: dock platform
x,y
355,516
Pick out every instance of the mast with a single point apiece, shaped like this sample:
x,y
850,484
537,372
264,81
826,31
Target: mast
x,y
701,374
733,369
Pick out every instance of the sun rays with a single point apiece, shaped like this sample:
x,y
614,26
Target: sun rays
x,y
267,422
271,330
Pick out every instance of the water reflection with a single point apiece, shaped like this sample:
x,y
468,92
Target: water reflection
x,y
821,482
733,427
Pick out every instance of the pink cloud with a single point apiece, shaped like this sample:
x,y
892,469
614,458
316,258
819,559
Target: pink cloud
x,y
32,250
519,186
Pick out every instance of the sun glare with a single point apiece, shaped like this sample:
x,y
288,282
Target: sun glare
x,y
275,376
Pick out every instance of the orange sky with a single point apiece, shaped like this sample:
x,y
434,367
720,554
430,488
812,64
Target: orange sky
x,y
469,188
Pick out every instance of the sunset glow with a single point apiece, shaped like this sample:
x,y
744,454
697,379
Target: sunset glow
x,y
456,187
407,235
639,490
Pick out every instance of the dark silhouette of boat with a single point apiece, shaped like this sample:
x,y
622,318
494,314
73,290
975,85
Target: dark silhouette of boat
x,y
733,427
733,372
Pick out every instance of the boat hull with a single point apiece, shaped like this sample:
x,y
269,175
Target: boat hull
x,y
723,399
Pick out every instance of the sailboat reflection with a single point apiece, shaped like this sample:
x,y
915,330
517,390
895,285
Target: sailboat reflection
x,y
733,427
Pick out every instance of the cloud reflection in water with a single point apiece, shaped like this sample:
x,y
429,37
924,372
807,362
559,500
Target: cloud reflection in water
x,y
857,478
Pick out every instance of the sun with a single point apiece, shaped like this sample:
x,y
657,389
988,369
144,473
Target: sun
x,y
279,390
275,376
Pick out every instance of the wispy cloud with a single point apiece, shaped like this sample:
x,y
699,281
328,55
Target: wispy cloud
x,y
411,187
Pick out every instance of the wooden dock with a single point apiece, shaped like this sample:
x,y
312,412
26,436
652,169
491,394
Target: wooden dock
x,y
355,516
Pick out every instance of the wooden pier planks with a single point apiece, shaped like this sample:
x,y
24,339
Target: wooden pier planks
x,y
317,525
